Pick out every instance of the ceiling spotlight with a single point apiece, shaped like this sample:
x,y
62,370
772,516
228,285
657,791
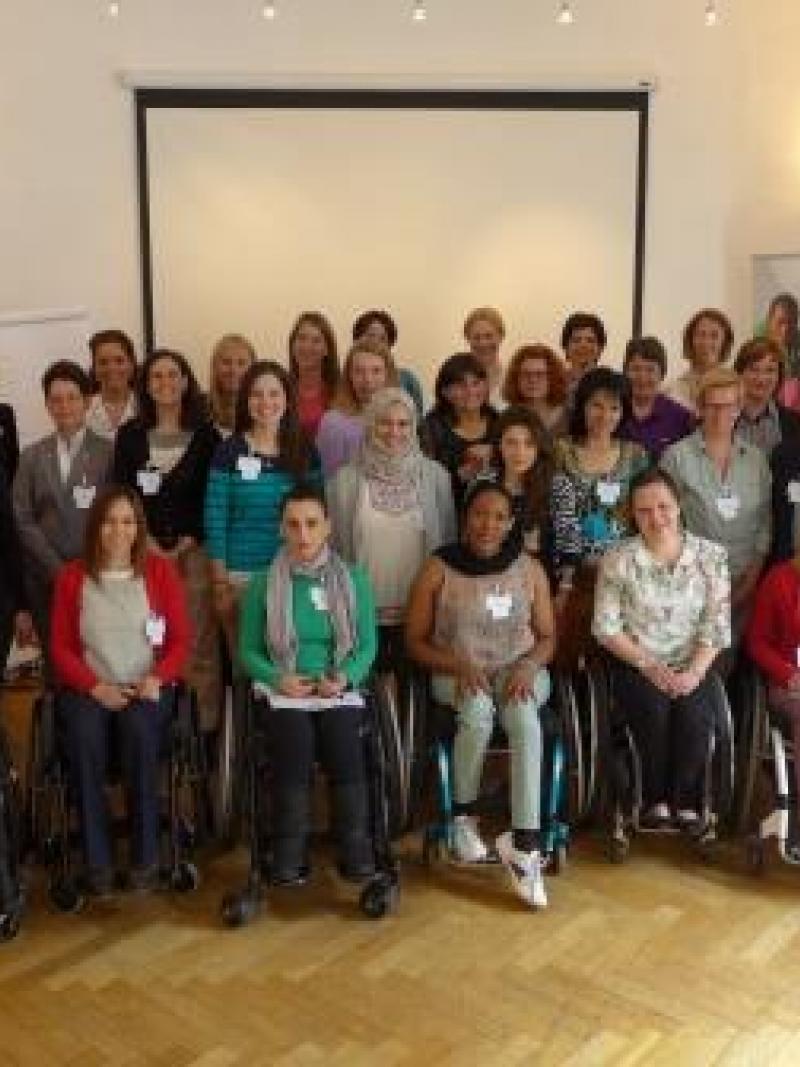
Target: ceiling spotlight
x,y
419,13
268,12
711,13
113,9
565,17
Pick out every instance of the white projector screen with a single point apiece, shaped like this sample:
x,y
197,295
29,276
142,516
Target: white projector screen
x,y
254,214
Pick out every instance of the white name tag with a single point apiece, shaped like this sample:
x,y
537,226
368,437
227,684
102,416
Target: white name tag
x,y
155,629
728,506
608,492
499,605
793,492
249,467
83,495
149,482
319,598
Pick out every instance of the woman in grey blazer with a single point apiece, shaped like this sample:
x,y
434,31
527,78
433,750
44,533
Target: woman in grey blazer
x,y
55,485
390,509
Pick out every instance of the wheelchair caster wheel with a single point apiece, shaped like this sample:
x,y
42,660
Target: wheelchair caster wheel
x,y
378,897
618,849
238,910
10,923
185,878
756,856
67,898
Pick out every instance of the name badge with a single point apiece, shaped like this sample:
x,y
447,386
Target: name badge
x,y
249,467
319,598
793,492
149,482
499,605
728,506
608,492
83,495
155,629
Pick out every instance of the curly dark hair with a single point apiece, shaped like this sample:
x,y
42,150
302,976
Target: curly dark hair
x,y
366,319
194,410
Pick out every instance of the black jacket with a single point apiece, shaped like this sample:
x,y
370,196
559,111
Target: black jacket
x,y
177,509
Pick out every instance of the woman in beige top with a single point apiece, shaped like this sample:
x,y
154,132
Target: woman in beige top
x,y
480,618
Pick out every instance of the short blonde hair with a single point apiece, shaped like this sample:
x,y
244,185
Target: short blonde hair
x,y
718,378
484,314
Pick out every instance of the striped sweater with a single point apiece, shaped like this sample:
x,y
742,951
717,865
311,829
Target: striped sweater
x,y
242,515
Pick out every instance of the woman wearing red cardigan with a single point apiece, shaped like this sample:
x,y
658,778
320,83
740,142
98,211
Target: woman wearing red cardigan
x,y
120,635
773,641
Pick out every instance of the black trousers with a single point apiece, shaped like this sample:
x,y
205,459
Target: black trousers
x,y
141,730
293,736
671,735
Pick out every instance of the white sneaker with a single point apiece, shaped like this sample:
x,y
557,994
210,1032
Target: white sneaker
x,y
525,869
468,845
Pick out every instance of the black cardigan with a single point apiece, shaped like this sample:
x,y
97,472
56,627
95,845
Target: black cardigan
x,y
176,510
9,441
12,588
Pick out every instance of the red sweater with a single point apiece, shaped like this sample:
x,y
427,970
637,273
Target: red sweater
x,y
166,597
773,636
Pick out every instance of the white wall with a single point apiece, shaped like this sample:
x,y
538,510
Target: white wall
x,y
725,147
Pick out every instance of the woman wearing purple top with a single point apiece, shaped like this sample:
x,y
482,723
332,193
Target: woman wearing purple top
x,y
369,367
656,421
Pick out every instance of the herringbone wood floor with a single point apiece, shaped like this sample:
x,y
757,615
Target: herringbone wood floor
x,y
660,961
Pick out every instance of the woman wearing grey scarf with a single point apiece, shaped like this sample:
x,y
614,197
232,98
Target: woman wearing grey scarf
x,y
308,634
392,507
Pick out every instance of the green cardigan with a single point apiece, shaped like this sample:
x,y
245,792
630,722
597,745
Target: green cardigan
x,y
314,632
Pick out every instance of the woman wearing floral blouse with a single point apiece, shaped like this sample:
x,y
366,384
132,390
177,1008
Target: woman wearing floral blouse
x,y
663,612
600,468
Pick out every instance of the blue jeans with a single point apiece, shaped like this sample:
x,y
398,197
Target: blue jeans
x,y
140,729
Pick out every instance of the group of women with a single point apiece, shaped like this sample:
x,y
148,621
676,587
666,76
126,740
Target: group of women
x,y
315,517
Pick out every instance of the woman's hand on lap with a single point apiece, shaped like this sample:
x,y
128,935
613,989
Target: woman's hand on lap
x,y
111,696
296,685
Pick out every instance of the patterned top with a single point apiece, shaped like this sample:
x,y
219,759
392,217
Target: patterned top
x,y
666,608
734,510
486,618
601,500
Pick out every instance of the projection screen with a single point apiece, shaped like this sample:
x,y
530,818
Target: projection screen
x,y
255,206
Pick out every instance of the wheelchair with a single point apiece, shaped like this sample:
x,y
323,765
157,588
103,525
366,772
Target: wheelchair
x,y
618,776
12,893
562,776
380,893
765,774
184,801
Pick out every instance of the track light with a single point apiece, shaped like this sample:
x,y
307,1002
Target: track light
x,y
113,9
565,16
269,11
419,13
711,14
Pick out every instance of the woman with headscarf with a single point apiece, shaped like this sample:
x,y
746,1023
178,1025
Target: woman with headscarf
x,y
391,507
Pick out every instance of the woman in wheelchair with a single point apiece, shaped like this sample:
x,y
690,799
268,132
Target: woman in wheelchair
x,y
773,642
480,618
308,632
120,636
662,610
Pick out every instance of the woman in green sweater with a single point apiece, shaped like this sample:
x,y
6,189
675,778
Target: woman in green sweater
x,y
308,639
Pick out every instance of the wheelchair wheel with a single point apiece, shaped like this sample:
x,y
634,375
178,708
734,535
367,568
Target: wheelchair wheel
x,y
565,699
379,896
10,924
384,696
756,855
723,772
239,909
752,744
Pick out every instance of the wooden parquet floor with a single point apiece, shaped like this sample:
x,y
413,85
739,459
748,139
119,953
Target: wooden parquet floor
x,y
659,962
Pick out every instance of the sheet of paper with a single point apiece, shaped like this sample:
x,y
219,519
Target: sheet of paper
x,y
350,698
